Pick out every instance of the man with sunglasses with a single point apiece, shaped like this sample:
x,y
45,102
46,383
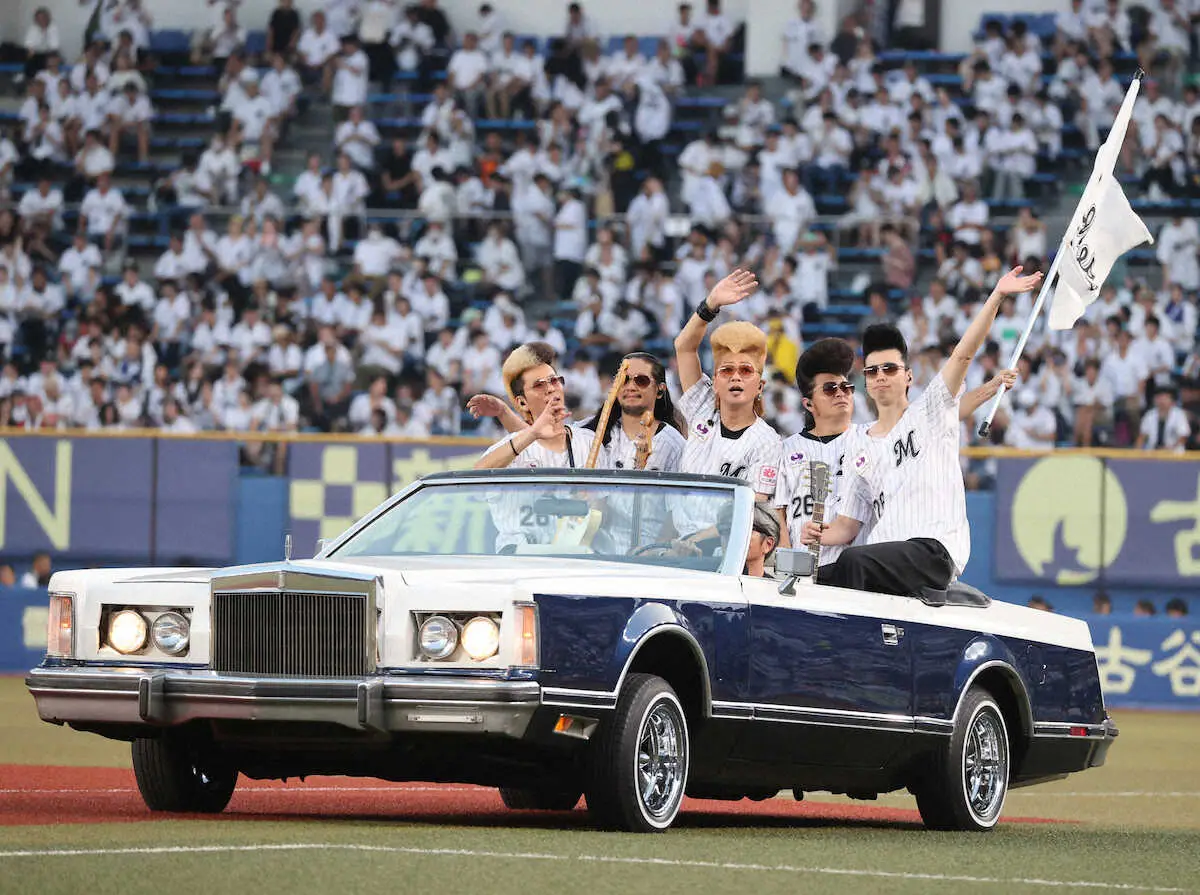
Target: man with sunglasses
x,y
726,432
907,485
827,395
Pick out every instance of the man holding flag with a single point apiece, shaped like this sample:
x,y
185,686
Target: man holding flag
x,y
1102,229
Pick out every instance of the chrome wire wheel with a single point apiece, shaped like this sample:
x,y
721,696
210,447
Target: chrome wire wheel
x,y
985,766
661,760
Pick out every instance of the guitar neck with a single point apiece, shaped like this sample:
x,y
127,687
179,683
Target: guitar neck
x,y
818,516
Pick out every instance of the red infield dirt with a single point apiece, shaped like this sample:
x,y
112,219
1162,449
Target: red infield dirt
x,y
40,795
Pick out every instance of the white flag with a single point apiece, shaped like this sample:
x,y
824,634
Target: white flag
x,y
1103,228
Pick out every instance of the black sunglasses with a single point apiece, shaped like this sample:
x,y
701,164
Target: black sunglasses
x,y
829,389
889,369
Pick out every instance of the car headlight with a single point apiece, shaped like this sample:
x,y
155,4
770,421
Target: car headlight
x,y
439,637
171,633
481,638
127,631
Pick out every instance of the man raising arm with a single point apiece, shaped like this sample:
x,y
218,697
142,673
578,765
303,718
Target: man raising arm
x,y
907,482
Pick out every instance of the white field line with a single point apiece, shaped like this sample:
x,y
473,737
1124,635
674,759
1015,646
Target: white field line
x,y
601,859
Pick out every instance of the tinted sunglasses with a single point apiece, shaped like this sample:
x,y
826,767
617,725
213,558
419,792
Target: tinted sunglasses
x,y
888,369
641,380
829,389
540,385
726,371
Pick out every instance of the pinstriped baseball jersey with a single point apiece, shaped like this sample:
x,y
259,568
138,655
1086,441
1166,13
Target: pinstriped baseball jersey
x,y
512,509
666,450
794,493
752,455
908,483
621,453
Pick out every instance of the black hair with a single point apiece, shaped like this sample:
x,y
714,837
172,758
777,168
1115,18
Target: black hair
x,y
1177,604
882,337
664,407
825,356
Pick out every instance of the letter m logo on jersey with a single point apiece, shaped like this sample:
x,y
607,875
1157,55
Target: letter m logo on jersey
x,y
905,447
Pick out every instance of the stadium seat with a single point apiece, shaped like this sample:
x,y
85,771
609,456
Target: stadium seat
x,y
170,42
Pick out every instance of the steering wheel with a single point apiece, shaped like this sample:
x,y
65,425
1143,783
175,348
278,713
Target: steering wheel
x,y
664,546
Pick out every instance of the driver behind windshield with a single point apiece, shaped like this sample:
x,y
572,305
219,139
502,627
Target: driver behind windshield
x,y
764,536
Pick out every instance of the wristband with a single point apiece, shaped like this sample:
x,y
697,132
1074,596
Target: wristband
x,y
512,443
705,313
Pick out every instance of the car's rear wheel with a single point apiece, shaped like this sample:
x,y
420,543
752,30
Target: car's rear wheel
x,y
539,799
172,775
969,779
640,759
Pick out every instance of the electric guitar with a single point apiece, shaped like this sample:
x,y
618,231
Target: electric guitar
x,y
818,477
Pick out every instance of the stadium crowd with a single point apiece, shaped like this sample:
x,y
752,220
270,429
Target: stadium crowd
x,y
302,310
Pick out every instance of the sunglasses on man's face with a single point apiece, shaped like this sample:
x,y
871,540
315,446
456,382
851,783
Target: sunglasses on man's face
x,y
726,371
889,370
540,385
829,389
641,380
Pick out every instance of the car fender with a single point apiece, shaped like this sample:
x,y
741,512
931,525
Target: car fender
x,y
646,625
987,654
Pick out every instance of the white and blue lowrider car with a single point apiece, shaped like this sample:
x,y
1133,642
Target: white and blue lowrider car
x,y
536,631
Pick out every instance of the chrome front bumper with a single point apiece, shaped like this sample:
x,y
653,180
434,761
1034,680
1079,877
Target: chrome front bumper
x,y
164,698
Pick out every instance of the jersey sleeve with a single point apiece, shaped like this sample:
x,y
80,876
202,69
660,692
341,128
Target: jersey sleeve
x,y
938,407
791,474
699,402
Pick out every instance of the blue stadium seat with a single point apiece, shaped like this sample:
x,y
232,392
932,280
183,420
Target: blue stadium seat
x,y
184,95
170,41
256,42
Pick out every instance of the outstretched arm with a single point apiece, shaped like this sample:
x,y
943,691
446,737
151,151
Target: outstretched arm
x,y
955,369
976,398
729,291
490,405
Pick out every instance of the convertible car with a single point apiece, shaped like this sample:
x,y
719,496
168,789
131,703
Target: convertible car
x,y
544,633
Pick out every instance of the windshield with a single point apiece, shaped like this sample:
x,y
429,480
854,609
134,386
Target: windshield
x,y
601,520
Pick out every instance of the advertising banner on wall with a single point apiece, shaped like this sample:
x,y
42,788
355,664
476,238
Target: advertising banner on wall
x,y
332,485
136,500
1073,519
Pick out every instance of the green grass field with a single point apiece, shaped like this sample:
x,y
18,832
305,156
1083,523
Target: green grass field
x,y
1133,825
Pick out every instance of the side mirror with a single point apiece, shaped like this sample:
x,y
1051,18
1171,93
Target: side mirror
x,y
791,565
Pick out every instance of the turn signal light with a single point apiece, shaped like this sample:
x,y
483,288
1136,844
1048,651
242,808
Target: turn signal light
x,y
527,635
60,628
1078,731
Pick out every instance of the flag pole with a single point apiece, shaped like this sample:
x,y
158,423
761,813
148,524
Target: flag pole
x,y
986,425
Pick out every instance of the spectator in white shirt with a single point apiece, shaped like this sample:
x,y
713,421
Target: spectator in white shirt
x,y
1016,161
316,49
41,39
130,113
969,217
1165,426
501,264
570,240
281,86
437,247
133,291
358,138
79,267
412,40
350,77
254,120
1178,252
715,31
375,256
466,74
792,210
103,214
217,172
510,82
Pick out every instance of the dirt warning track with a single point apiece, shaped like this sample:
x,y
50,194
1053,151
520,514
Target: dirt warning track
x,y
37,795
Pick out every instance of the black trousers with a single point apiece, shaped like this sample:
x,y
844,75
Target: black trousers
x,y
894,567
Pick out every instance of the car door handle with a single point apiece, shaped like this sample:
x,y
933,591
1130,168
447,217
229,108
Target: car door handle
x,y
891,635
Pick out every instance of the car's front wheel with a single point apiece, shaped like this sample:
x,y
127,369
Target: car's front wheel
x,y
640,758
172,775
539,799
969,779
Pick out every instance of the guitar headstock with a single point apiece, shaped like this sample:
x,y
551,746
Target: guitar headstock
x,y
818,475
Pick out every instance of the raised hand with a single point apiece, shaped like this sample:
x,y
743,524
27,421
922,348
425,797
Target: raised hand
x,y
1005,378
550,420
738,285
485,405
1012,283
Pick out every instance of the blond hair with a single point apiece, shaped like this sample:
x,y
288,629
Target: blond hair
x,y
523,359
739,337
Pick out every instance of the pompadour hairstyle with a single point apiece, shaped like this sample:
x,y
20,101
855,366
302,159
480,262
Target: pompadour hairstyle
x,y
739,337
523,358
832,356
882,337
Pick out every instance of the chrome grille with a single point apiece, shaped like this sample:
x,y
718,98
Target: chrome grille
x,y
311,634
